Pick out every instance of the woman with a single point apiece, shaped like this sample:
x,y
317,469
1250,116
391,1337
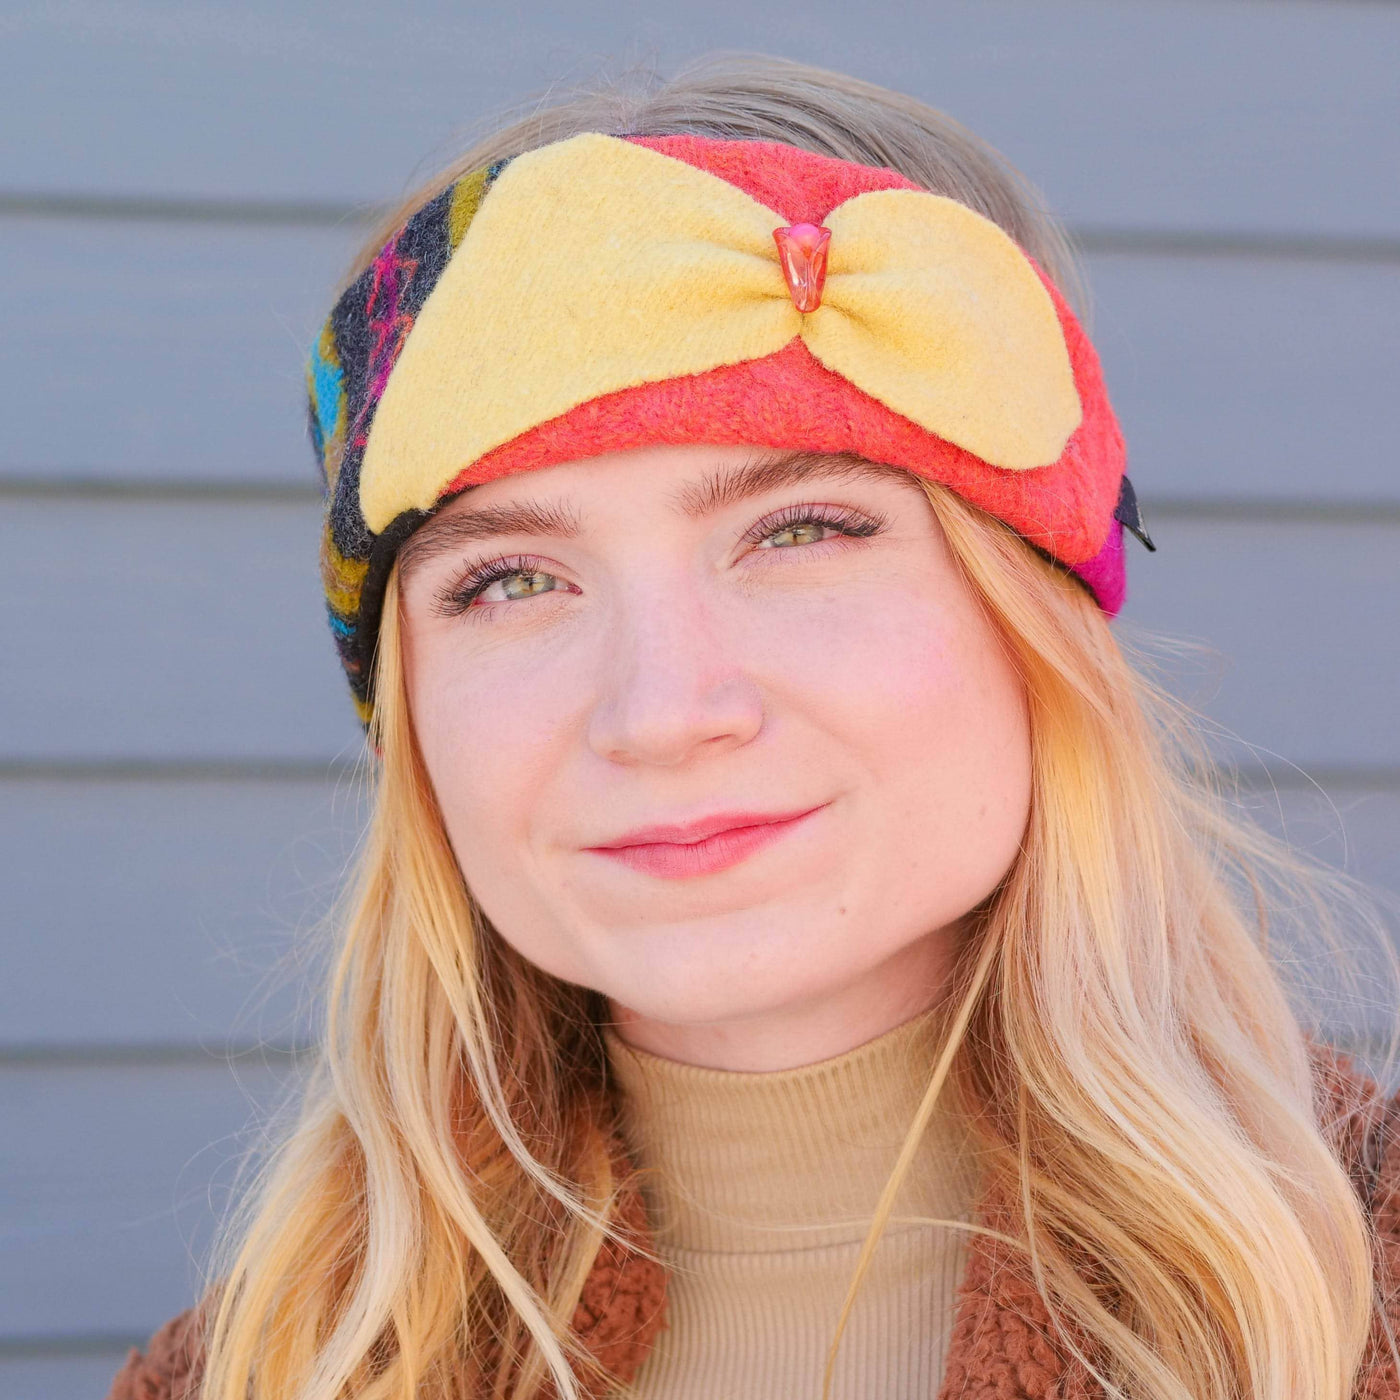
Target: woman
x,y
794,953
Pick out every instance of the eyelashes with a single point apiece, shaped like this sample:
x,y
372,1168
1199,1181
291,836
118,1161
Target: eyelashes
x,y
462,595
463,592
843,519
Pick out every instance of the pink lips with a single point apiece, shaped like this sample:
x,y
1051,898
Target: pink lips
x,y
700,848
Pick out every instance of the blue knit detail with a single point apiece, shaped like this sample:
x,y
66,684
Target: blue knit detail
x,y
328,382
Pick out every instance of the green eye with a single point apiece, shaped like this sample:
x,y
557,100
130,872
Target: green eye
x,y
527,585
800,532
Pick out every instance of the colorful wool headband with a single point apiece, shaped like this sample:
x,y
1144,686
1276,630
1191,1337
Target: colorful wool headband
x,y
603,293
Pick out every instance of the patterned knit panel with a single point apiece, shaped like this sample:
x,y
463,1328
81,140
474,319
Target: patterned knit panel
x,y
348,368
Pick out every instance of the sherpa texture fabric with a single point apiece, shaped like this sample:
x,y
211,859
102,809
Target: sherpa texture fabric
x,y
1005,1344
621,1310
938,340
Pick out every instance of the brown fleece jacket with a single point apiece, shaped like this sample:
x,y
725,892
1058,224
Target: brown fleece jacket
x,y
1004,1344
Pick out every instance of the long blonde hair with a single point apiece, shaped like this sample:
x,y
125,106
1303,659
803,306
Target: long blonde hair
x,y
1122,1033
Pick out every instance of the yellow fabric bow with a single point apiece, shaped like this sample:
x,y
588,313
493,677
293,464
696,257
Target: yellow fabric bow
x,y
596,264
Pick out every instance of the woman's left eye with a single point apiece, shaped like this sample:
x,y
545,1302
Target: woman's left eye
x,y
803,525
804,532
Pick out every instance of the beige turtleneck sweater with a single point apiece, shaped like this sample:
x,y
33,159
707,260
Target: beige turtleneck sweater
x,y
761,1188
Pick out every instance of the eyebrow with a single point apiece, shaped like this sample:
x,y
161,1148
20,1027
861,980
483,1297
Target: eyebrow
x,y
445,533
697,500
730,485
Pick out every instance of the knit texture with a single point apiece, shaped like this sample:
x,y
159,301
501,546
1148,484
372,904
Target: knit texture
x,y
1004,1343
760,1190
934,317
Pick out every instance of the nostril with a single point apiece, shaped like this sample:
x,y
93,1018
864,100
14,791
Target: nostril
x,y
653,727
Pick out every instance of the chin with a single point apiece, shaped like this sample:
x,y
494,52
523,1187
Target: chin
x,y
700,976
716,1002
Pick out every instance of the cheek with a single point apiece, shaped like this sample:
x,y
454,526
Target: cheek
x,y
495,740
490,733
903,670
958,763
919,696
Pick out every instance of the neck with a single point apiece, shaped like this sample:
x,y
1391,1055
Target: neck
x,y
730,1157
862,1008
761,1190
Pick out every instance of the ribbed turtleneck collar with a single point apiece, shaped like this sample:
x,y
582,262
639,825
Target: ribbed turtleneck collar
x,y
738,1162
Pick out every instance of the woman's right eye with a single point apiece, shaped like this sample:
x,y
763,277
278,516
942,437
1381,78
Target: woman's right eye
x,y
517,585
501,581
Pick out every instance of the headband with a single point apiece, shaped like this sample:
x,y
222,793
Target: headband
x,y
603,293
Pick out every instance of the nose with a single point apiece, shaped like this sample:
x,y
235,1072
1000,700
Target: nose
x,y
674,684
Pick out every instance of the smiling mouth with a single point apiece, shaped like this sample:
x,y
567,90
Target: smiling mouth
x,y
680,858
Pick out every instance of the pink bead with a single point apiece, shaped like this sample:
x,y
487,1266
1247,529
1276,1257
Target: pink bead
x,y
802,253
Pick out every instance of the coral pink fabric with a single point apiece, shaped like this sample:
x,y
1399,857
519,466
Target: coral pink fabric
x,y
789,400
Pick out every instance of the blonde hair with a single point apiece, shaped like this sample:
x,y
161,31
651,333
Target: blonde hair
x,y
1120,1029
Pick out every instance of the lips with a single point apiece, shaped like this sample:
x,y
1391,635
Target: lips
x,y
701,847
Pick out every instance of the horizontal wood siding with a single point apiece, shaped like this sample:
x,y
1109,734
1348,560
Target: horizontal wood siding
x,y
120,1168
1183,117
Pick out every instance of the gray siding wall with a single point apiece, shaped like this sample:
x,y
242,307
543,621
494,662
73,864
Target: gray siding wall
x,y
178,193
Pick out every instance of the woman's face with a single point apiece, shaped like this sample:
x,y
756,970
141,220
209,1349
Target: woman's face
x,y
718,732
